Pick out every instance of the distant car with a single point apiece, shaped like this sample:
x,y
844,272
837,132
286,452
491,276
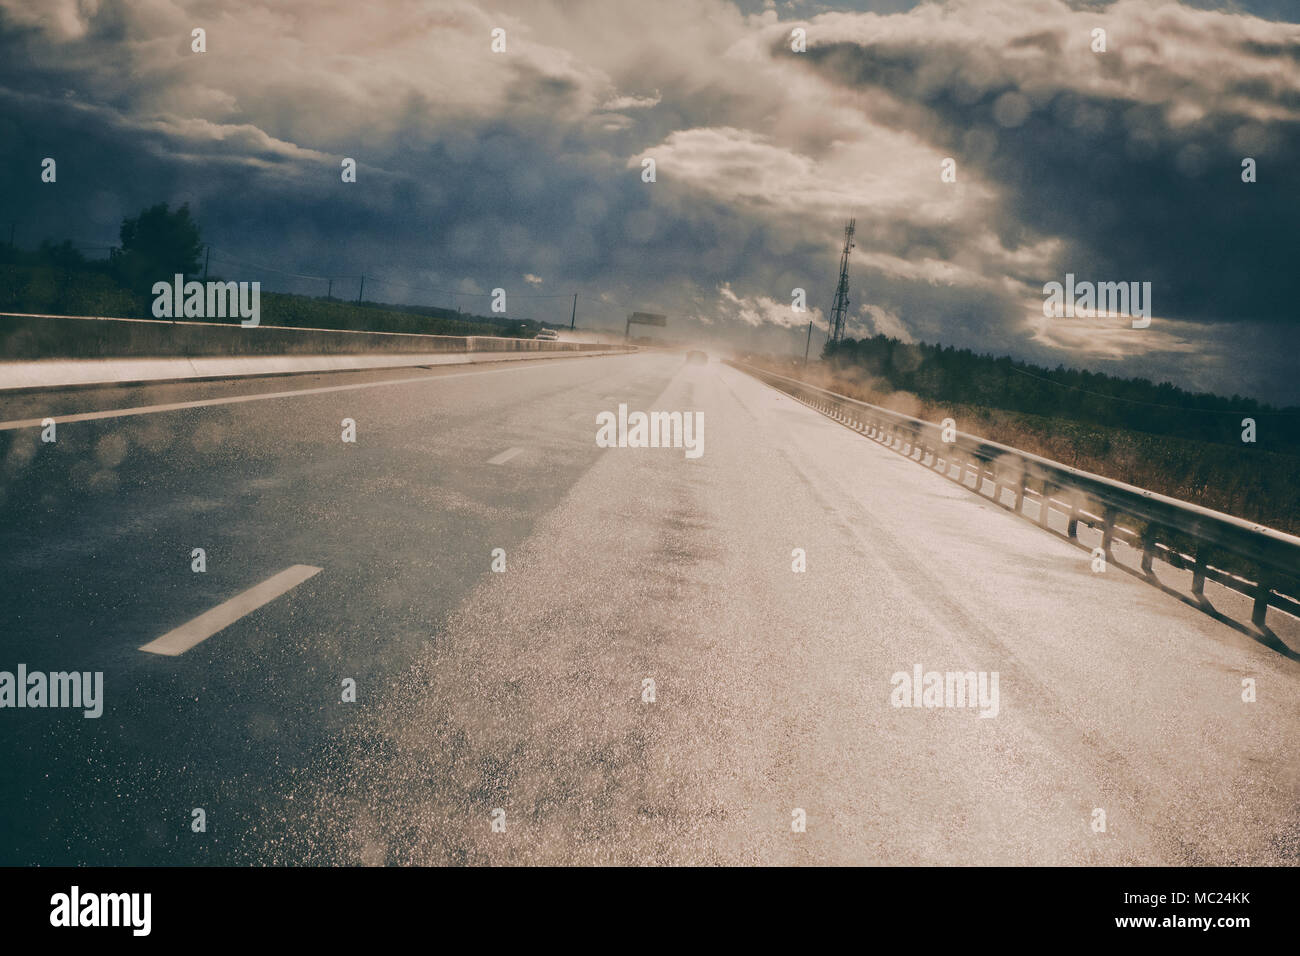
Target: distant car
x,y
548,335
695,357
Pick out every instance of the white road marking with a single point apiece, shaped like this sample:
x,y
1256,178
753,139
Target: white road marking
x,y
222,616
263,396
505,456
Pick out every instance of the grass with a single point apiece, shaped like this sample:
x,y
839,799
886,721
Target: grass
x,y
1248,482
49,290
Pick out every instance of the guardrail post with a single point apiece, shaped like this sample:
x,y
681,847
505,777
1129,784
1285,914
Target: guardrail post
x,y
1020,493
1260,610
1198,571
1042,504
1107,529
1148,547
1072,528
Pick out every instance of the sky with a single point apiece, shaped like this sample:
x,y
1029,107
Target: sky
x,y
523,169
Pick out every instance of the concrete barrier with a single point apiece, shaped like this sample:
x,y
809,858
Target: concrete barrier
x,y
49,351
38,337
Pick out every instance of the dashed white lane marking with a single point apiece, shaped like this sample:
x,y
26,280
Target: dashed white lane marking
x,y
263,396
222,616
505,456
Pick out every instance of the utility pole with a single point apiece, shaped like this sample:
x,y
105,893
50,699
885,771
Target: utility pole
x,y
362,289
574,317
206,256
807,344
841,307
329,290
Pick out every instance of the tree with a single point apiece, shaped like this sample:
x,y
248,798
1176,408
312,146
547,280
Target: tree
x,y
63,256
156,245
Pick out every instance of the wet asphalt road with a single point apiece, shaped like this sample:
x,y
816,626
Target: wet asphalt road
x,y
522,696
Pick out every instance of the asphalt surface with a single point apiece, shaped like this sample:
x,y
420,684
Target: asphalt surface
x,y
520,697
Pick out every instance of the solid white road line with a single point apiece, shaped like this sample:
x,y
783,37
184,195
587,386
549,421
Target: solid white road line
x,y
505,456
223,615
236,399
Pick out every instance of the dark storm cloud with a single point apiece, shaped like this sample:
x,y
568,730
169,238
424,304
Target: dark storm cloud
x,y
1132,195
1130,160
478,169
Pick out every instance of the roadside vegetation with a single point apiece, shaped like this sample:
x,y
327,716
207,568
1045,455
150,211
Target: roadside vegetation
x,y
57,279
1155,436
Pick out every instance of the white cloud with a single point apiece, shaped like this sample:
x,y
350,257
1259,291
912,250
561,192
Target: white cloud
x,y
629,102
761,154
1107,337
878,320
760,310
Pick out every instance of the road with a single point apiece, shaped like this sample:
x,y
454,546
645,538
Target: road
x,y
521,696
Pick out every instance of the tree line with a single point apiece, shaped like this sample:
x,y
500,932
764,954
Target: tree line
x,y
945,374
160,242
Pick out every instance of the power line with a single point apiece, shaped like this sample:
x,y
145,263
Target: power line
x,y
605,301
468,295
372,278
221,256
235,260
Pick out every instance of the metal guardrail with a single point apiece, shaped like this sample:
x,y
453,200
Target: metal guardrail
x,y
1081,496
